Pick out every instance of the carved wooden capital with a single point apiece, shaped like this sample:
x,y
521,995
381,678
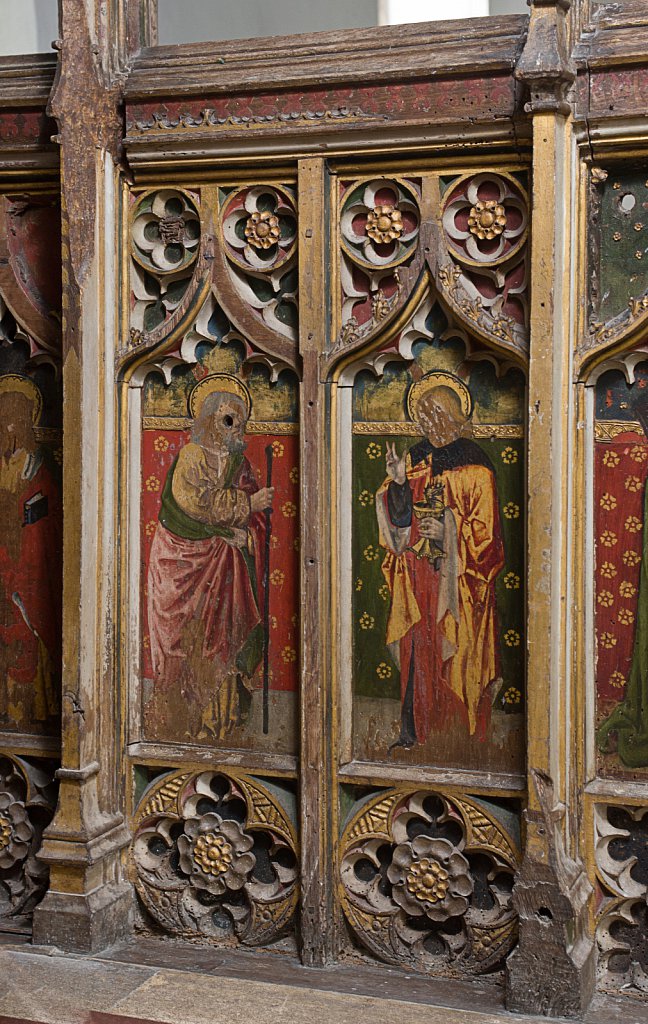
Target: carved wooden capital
x,y
545,65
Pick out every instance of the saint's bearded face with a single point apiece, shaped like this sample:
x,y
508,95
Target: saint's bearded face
x,y
226,431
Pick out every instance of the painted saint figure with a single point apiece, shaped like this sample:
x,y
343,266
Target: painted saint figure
x,y
205,570
30,564
438,515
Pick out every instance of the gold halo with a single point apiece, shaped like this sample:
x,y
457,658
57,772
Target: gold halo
x,y
215,382
13,382
438,379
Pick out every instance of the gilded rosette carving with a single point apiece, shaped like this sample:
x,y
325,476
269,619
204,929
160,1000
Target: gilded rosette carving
x,y
214,857
380,222
27,801
379,236
621,847
259,239
426,880
483,265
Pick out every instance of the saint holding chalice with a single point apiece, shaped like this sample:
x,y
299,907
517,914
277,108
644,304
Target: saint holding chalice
x,y
438,515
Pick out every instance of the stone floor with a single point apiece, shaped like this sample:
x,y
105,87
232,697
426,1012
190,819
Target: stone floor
x,y
151,981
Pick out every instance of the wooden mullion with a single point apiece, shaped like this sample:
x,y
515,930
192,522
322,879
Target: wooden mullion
x,y
315,779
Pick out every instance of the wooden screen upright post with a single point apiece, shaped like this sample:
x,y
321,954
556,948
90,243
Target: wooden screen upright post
x,y
315,783
552,970
88,903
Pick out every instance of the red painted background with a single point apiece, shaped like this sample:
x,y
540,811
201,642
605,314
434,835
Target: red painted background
x,y
621,468
159,448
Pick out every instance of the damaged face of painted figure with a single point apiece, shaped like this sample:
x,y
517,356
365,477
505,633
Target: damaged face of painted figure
x,y
220,427
440,418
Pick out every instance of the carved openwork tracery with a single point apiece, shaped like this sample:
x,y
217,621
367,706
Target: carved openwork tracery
x,y
467,236
483,273
27,801
426,879
379,234
259,242
618,251
215,857
621,835
165,245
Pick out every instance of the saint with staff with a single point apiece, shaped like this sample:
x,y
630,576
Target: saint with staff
x,y
208,563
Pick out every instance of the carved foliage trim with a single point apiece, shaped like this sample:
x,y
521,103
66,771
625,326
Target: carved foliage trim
x,y
426,880
27,802
621,835
215,857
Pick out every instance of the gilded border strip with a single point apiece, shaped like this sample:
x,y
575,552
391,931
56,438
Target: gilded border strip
x,y
607,430
483,430
185,422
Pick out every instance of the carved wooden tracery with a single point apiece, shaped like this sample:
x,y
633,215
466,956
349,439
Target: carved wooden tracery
x,y
265,223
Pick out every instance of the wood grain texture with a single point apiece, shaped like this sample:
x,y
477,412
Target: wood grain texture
x,y
315,783
88,903
281,62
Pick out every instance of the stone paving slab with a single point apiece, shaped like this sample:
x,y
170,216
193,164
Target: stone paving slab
x,y
53,988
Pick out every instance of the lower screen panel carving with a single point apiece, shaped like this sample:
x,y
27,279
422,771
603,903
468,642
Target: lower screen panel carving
x,y
426,877
215,857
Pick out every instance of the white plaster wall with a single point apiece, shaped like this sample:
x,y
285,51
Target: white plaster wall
x,y
200,20
27,26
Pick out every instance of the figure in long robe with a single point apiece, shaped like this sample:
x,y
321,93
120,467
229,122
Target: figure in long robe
x,y
438,514
205,571
30,566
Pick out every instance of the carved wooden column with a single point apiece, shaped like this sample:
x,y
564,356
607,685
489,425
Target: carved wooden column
x,y
88,904
552,971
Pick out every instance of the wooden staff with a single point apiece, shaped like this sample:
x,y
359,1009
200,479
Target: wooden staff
x,y
266,600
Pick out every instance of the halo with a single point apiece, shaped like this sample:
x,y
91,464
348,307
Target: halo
x,y
24,386
214,382
436,379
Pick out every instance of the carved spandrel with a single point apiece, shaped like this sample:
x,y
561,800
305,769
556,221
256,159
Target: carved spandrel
x,y
483,256
30,271
214,858
379,241
617,258
425,884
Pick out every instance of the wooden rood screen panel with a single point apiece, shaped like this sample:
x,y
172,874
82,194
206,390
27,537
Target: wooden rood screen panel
x,y
425,440
352,342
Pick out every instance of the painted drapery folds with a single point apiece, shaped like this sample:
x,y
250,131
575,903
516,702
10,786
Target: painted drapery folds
x,y
30,468
437,559
621,466
219,556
